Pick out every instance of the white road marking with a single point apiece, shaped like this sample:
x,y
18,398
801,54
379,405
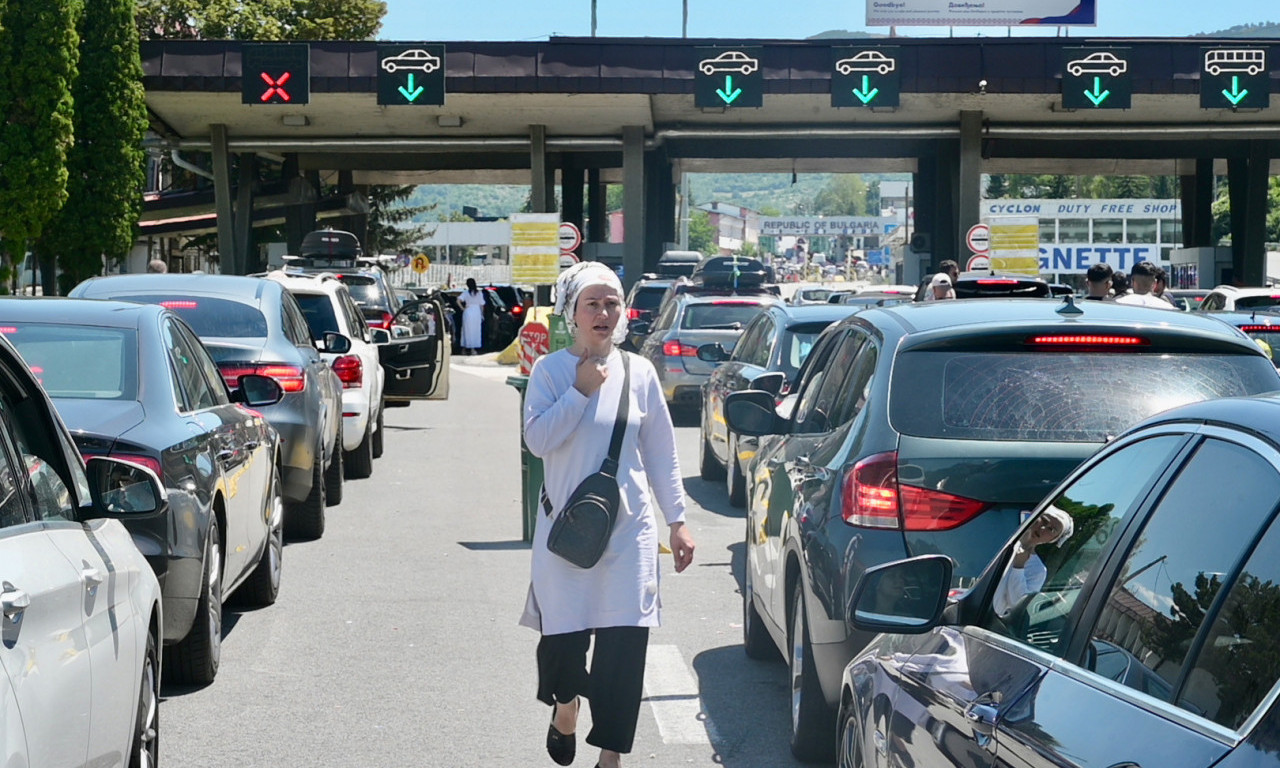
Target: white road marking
x,y
672,692
492,373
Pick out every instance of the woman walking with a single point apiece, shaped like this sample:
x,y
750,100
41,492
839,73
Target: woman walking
x,y
571,405
472,302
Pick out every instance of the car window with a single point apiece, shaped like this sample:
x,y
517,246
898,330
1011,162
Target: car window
x,y
13,506
753,348
36,481
1033,601
212,376
80,361
197,392
666,317
210,317
856,389
1258,302
647,298
317,308
295,323
355,320
720,315
1198,533
816,408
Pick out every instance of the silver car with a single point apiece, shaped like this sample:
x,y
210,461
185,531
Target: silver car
x,y
81,608
686,323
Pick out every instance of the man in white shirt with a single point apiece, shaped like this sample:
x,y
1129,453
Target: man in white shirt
x,y
1143,279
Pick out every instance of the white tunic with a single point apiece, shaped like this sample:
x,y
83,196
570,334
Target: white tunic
x,y
571,432
472,317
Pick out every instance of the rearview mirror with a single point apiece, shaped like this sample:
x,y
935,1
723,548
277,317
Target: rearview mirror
x,y
123,488
770,382
712,353
257,391
336,343
639,328
380,335
751,412
904,596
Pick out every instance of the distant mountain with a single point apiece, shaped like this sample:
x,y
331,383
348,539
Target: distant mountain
x,y
1261,29
842,34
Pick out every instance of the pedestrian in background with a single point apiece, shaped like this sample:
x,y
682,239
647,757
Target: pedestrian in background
x,y
471,301
571,405
1159,290
1119,284
1144,279
940,288
1098,282
157,266
951,269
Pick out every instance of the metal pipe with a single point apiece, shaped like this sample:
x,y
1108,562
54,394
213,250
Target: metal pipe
x,y
188,165
434,144
1189,131
810,132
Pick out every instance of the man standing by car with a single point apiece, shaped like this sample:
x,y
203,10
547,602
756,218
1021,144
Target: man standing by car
x,y
1143,278
1098,282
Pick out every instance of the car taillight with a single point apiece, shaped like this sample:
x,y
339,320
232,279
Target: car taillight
x,y
291,378
350,371
1088,340
1245,328
146,461
383,321
633,314
997,281
183,304
871,497
674,348
516,309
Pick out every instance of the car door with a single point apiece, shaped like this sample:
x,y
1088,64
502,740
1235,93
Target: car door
x,y
362,345
416,367
733,375
320,377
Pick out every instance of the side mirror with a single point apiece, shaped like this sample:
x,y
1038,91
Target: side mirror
x,y
905,596
257,391
772,383
751,412
336,343
639,328
712,353
380,335
123,488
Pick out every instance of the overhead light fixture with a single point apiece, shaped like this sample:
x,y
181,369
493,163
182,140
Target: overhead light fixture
x,y
296,121
449,121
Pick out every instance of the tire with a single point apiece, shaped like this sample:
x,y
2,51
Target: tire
x,y
333,474
305,519
377,435
144,749
263,585
359,463
735,481
708,467
848,741
756,641
194,660
813,737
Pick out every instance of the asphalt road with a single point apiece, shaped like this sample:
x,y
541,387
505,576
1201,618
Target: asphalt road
x,y
394,641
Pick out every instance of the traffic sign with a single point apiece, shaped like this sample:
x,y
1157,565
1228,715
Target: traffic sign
x,y
535,341
978,263
728,77
865,77
421,263
570,237
1235,78
1096,78
275,73
411,74
979,238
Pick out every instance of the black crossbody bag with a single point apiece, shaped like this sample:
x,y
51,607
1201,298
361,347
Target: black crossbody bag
x,y
581,532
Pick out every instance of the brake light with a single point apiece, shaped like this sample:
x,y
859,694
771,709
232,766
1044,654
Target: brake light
x,y
928,510
179,304
145,461
997,281
516,309
291,378
350,371
731,303
383,321
674,348
8,329
1245,328
633,314
871,497
1088,340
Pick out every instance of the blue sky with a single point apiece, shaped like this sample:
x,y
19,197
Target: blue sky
x,y
438,20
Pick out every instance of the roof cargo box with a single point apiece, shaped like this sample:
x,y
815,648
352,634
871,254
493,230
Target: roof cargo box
x,y
678,263
330,244
731,271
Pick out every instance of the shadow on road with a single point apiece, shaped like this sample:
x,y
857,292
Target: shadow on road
x,y
684,416
711,496
748,705
495,546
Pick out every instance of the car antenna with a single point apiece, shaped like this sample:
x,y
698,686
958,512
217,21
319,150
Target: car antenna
x,y
1069,306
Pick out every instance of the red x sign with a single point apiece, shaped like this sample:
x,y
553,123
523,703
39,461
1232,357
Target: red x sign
x,y
276,86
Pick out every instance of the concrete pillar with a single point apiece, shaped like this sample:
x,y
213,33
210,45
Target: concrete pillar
x,y
660,208
969,182
222,197
541,175
571,179
1197,204
597,208
245,253
924,227
1255,229
633,203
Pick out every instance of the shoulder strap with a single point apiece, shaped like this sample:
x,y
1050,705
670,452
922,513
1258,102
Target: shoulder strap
x,y
610,465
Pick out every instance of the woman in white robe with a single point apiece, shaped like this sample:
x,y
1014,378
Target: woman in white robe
x,y
571,404
472,303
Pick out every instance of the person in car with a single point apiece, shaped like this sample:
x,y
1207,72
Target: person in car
x,y
471,301
571,404
1098,282
940,287
1026,572
1143,276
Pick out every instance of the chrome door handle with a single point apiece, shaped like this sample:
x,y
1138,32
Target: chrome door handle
x,y
14,602
91,577
225,455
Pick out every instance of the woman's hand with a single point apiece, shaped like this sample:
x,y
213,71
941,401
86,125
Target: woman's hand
x,y
681,546
591,374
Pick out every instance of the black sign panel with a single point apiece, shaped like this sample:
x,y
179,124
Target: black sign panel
x,y
728,77
865,77
411,74
275,73
1235,77
1096,78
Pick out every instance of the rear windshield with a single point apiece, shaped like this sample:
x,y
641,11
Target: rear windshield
x,y
318,309
1258,302
796,347
815,294
80,361
1058,397
980,289
648,297
724,317
210,317
365,290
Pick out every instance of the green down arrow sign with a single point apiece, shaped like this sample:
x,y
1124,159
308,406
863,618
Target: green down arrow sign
x,y
867,93
1097,95
411,93
1235,95
728,94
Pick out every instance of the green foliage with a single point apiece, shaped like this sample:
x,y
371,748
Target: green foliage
x,y
843,195
260,19
391,227
702,236
106,164
38,59
1260,29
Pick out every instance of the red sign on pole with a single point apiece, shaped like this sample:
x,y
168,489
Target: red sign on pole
x,y
535,341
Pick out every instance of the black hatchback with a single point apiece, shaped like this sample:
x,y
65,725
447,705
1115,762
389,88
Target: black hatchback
x,y
1145,633
933,428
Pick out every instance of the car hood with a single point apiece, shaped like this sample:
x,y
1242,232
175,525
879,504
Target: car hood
x,y
234,350
107,418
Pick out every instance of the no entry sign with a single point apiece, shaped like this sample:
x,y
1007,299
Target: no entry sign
x,y
979,238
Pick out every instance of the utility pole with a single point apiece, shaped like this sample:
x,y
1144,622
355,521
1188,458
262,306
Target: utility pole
x,y
684,24
593,18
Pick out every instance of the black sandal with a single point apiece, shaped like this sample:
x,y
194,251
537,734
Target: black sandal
x,y
561,747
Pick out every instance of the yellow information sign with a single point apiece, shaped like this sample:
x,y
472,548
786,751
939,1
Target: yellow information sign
x,y
1015,246
535,248
421,263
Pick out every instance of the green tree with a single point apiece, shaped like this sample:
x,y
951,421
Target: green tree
x,y
106,164
38,59
260,19
702,236
845,194
391,227
997,187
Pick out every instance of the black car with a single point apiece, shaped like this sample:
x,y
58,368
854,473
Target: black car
x,y
776,342
1262,327
983,285
1144,635
499,327
133,382
931,428
254,326
642,304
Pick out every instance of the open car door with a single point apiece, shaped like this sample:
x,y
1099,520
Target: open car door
x,y
416,358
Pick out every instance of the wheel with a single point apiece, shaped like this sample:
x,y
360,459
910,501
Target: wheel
x,y
333,474
755,638
735,481
144,752
1115,71
263,584
194,659
849,743
884,70
1075,71
812,721
359,463
305,519
708,467
377,436
391,68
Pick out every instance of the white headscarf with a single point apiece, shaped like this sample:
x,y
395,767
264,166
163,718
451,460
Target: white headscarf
x,y
569,287
1064,520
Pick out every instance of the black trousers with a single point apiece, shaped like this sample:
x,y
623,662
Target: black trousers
x,y
613,687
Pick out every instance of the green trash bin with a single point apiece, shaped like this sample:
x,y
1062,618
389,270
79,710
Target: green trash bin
x,y
530,468
560,338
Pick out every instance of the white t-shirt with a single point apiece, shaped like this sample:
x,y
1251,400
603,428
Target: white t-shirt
x,y
1144,300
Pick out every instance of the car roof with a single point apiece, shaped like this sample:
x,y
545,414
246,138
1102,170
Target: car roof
x,y
812,313
746,298
1256,290
223,286
318,282
1259,414
65,311
1237,317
